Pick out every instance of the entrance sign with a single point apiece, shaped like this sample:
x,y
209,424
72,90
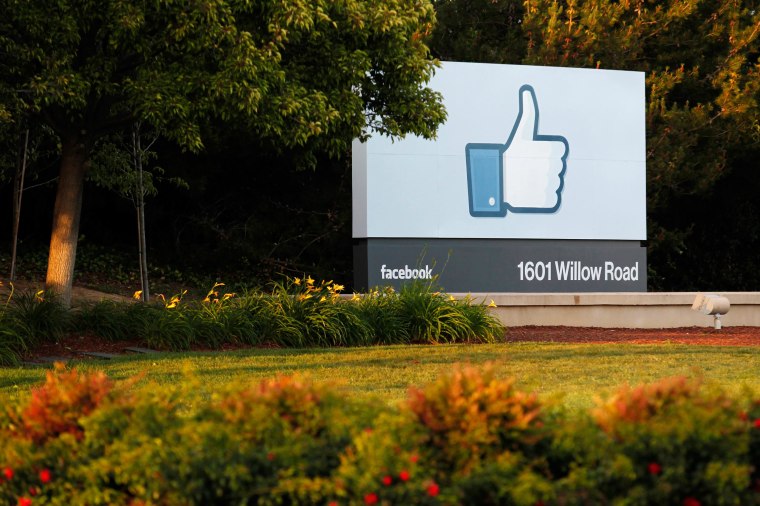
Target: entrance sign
x,y
541,169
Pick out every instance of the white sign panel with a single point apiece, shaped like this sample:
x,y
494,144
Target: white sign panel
x,y
526,153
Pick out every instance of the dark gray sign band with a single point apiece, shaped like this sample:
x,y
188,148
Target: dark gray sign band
x,y
503,265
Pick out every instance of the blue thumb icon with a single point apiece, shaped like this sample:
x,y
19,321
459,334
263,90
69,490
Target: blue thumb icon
x,y
485,173
525,175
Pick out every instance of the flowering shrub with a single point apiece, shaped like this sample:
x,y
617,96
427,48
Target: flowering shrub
x,y
671,442
469,438
57,406
751,419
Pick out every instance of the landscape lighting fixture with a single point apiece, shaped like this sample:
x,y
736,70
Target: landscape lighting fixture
x,y
712,304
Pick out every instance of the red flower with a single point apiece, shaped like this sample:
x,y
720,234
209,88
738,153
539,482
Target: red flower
x,y
433,489
387,480
404,475
757,423
332,503
691,501
24,501
371,498
45,476
8,473
414,458
270,456
654,468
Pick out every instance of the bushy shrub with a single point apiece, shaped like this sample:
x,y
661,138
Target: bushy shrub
x,y
671,442
275,442
469,438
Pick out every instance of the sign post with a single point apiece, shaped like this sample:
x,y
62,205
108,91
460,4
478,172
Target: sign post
x,y
535,183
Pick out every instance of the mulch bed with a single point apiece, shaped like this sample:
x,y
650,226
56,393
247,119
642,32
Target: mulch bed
x,y
727,336
73,346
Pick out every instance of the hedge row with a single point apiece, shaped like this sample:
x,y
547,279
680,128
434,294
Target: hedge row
x,y
469,438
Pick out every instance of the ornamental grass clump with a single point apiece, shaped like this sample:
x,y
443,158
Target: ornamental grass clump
x,y
382,311
110,320
297,312
435,317
307,313
11,342
28,319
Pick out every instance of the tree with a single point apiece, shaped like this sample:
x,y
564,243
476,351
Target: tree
x,y
487,31
119,165
291,72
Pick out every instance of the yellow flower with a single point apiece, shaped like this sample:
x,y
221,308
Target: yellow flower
x,y
492,304
338,288
309,281
297,281
137,295
323,299
304,296
355,297
451,298
228,296
172,304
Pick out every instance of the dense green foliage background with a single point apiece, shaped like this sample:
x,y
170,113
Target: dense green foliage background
x,y
252,210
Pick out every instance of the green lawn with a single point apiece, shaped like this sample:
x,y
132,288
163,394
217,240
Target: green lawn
x,y
569,372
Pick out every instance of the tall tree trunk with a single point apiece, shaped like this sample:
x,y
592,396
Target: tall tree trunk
x,y
66,214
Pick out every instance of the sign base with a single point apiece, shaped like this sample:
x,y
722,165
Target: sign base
x,y
502,265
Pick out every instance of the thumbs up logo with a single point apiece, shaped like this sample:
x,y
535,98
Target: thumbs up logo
x,y
525,175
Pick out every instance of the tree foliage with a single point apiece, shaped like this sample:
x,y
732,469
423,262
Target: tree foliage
x,y
293,72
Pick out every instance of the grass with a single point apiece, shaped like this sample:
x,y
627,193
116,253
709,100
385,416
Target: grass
x,y
569,373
